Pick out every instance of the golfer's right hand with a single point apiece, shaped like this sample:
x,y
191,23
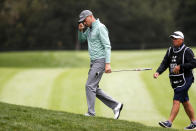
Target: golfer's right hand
x,y
81,27
108,68
156,75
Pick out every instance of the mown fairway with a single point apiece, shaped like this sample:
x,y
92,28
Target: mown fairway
x,y
56,80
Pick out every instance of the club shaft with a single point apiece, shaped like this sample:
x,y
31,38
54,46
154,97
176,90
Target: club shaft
x,y
138,69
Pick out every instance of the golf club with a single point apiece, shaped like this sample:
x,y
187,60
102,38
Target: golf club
x,y
121,70
137,69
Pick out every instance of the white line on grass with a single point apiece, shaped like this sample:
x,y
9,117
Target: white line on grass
x,y
129,89
30,87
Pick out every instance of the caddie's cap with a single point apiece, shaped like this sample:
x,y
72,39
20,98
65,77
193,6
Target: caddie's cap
x,y
84,14
177,35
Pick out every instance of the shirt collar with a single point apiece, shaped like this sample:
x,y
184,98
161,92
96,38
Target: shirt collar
x,y
94,24
178,48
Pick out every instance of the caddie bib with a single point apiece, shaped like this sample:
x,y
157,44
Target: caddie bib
x,y
176,58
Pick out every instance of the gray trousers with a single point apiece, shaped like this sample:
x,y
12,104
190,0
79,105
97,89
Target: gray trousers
x,y
97,68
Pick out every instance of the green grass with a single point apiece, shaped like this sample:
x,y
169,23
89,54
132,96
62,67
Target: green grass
x,y
20,118
45,59
56,80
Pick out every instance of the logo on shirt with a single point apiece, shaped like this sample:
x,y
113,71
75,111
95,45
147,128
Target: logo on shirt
x,y
173,59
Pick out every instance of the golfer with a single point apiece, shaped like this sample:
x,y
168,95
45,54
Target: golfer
x,y
180,60
99,49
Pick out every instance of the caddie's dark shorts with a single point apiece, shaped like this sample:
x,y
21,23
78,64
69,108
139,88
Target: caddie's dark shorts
x,y
181,93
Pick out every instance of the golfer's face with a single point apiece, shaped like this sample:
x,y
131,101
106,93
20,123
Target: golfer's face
x,y
177,42
87,21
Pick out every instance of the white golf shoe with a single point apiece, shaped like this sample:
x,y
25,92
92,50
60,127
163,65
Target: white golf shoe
x,y
117,110
87,114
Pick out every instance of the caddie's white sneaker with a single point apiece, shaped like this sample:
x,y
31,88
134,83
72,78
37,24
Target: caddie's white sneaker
x,y
192,126
117,110
165,124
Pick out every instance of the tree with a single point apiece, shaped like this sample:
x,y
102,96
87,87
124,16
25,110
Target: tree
x,y
186,19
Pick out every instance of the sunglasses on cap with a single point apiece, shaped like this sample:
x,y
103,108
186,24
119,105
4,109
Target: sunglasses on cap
x,y
176,34
174,38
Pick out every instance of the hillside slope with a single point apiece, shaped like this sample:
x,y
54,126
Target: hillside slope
x,y
20,118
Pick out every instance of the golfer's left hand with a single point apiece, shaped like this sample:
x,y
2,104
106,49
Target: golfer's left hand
x,y
107,68
176,69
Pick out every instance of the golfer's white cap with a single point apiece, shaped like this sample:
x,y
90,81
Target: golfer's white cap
x,y
84,14
177,35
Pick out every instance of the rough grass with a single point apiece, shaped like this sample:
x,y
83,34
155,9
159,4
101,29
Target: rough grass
x,y
21,118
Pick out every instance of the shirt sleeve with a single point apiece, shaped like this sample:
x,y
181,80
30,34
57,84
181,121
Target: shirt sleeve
x,y
190,61
164,64
104,37
82,36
